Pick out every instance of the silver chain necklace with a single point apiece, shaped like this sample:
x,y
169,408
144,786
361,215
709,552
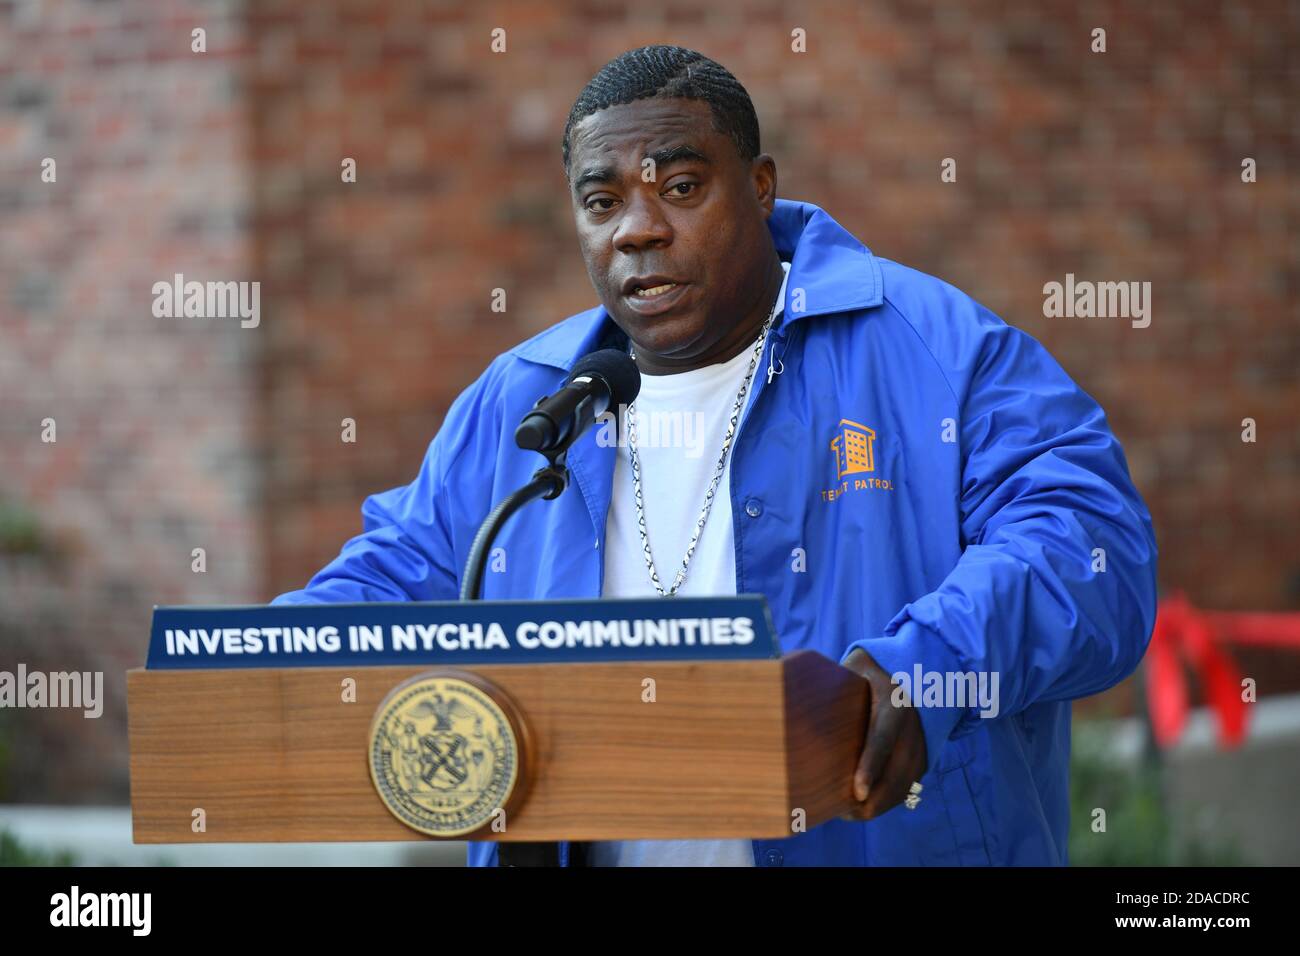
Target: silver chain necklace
x,y
717,472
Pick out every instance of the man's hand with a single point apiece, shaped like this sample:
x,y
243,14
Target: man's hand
x,y
894,754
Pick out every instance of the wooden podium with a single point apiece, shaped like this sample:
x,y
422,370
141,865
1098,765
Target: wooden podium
x,y
726,749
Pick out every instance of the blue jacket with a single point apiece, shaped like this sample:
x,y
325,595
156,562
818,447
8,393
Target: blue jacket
x,y
914,477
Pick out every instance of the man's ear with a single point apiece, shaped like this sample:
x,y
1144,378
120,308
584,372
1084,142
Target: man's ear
x,y
763,176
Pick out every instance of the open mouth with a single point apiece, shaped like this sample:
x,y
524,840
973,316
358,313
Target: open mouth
x,y
654,291
654,299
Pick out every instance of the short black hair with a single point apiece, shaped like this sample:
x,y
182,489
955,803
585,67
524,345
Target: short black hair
x,y
670,71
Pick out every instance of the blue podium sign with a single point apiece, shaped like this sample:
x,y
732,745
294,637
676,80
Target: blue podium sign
x,y
462,632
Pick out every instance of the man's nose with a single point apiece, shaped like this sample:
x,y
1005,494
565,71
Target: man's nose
x,y
642,225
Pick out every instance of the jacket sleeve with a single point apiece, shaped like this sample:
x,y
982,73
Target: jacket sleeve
x,y
1055,590
405,551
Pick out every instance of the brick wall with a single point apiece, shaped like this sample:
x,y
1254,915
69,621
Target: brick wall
x,y
375,294
155,418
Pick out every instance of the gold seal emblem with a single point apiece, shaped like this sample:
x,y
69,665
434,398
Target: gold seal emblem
x,y
445,754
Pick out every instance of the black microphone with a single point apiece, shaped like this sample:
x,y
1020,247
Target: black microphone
x,y
597,382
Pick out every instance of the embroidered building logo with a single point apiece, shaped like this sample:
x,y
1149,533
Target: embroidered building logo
x,y
854,448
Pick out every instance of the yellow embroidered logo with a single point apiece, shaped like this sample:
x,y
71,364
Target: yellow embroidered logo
x,y
854,448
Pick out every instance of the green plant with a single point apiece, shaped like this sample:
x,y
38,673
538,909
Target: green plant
x,y
1139,827
13,853
20,532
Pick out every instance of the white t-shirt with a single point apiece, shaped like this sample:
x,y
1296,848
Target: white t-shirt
x,y
681,421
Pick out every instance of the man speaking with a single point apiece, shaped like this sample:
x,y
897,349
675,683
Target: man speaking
x,y
917,488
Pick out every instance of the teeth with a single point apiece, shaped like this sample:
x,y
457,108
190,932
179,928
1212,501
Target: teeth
x,y
657,290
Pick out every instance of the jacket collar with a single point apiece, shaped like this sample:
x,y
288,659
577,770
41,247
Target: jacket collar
x,y
835,272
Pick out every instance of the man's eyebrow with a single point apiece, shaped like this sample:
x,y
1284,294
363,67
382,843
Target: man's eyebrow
x,y
678,154
600,174
660,157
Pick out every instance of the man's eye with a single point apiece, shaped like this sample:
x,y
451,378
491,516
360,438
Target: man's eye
x,y
677,186
591,205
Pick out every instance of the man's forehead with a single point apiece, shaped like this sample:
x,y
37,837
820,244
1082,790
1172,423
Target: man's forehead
x,y
634,130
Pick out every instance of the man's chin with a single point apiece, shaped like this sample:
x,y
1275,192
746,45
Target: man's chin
x,y
669,338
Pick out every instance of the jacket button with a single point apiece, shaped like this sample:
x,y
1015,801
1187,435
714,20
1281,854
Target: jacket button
x,y
774,858
753,507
